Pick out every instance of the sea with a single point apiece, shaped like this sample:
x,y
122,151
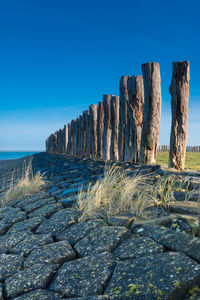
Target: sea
x,y
15,155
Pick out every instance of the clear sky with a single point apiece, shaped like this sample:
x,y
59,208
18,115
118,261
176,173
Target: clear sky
x,y
58,56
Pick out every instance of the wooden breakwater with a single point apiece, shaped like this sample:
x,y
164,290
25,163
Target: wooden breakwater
x,y
126,127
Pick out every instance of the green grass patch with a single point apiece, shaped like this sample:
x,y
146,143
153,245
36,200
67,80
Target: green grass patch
x,y
192,159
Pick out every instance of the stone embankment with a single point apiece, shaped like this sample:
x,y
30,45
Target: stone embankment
x,y
47,253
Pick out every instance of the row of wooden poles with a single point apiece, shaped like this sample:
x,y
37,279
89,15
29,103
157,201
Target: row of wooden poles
x,y
165,148
126,127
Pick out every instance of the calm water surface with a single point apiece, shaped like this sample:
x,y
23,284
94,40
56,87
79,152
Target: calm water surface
x,y
15,155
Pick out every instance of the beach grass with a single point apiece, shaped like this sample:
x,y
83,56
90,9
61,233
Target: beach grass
x,y
192,160
27,184
118,193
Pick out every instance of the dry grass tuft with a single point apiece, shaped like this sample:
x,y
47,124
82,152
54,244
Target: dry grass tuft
x,y
28,184
115,193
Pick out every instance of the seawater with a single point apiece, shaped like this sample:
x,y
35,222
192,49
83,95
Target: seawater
x,y
15,155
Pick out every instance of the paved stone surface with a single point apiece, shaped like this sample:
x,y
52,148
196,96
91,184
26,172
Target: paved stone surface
x,y
101,239
47,253
39,295
172,240
9,264
90,298
30,242
79,230
193,294
136,247
35,277
46,210
84,277
32,206
162,276
186,207
52,253
30,224
1,291
59,221
7,242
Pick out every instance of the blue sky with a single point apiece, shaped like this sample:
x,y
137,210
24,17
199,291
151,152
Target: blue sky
x,y
58,57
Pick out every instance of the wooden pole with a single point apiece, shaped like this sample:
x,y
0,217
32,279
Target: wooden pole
x,y
179,90
152,112
100,129
107,127
114,151
93,130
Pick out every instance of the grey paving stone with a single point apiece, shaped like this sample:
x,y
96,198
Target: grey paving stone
x,y
6,211
9,264
173,240
53,189
71,191
52,253
30,207
194,196
4,226
79,230
39,295
46,210
32,198
184,207
135,247
30,242
79,183
30,224
179,195
14,217
70,201
1,291
8,241
101,239
193,294
122,220
101,297
59,221
84,277
162,276
35,277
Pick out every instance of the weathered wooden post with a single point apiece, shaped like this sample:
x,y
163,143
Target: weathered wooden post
x,y
100,129
84,133
107,127
132,99
152,112
65,139
51,143
122,118
59,141
47,143
81,137
87,133
73,137
93,130
135,103
179,90
77,135
62,140
69,145
114,151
